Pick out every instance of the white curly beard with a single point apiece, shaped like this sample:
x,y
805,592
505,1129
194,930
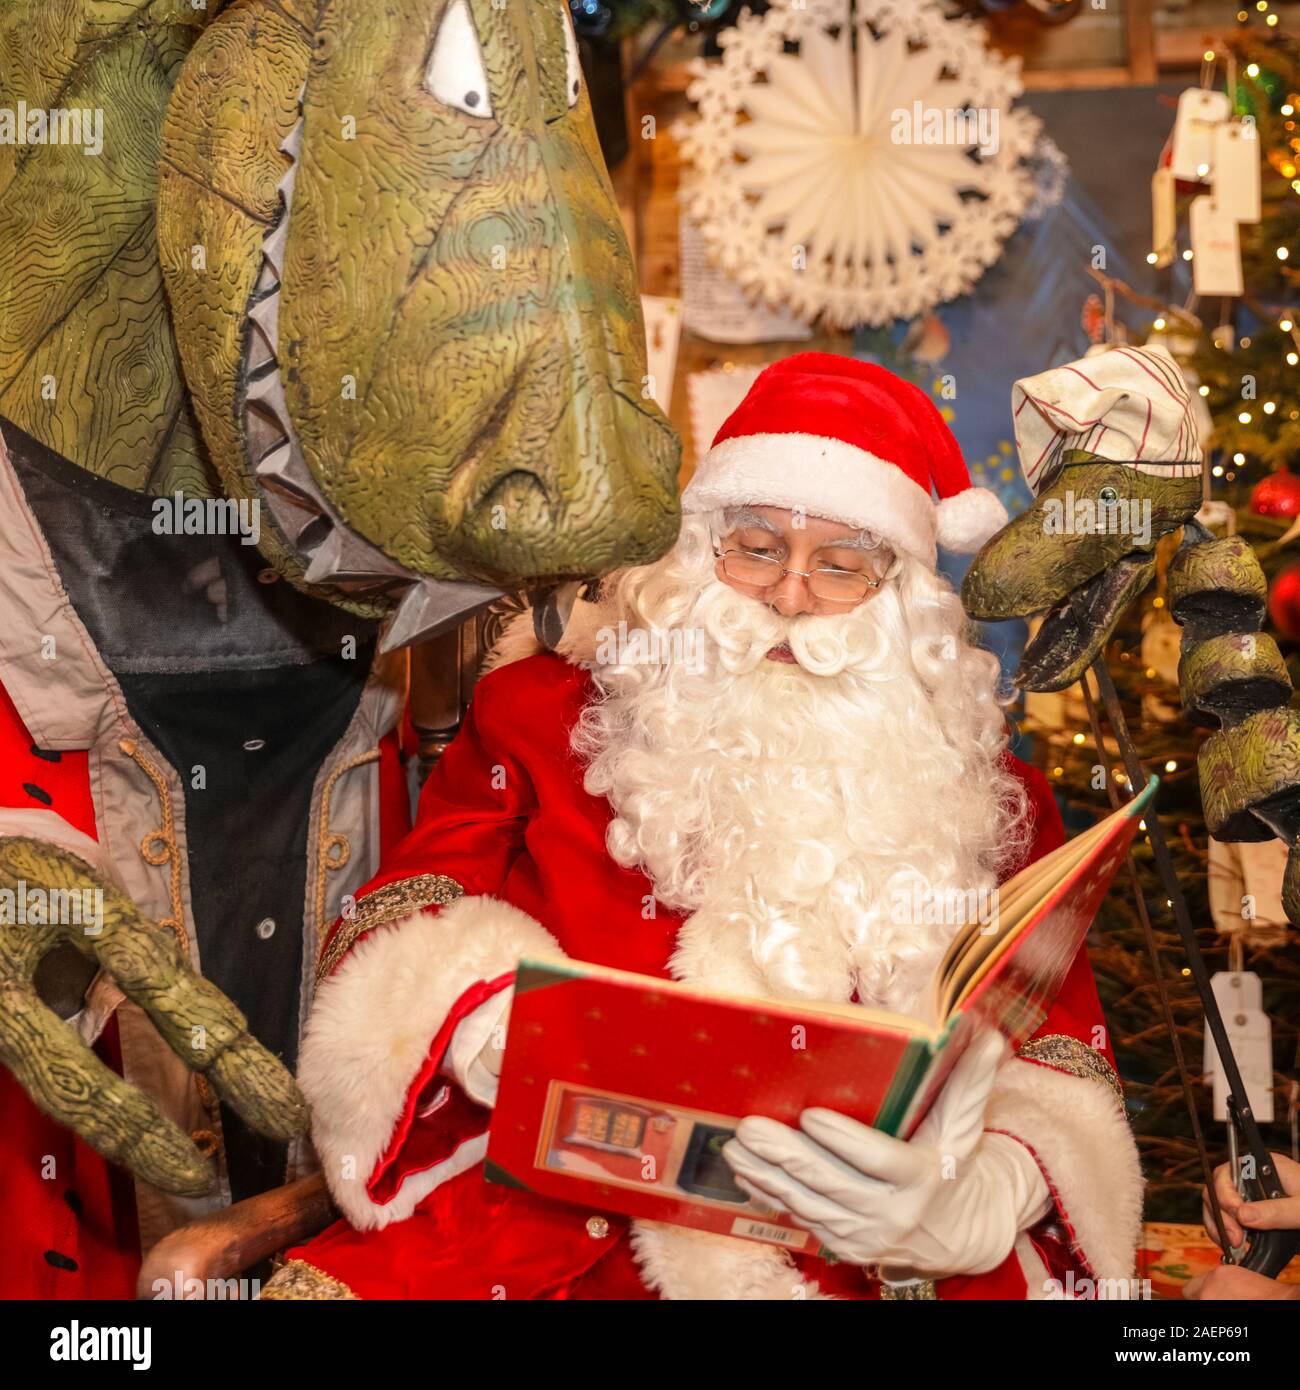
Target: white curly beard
x,y
786,805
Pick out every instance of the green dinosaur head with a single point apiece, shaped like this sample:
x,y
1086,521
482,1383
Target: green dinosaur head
x,y
400,309
1083,550
442,372
454,248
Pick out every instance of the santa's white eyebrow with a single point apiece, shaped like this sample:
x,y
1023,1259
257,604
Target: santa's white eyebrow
x,y
742,517
864,540
737,517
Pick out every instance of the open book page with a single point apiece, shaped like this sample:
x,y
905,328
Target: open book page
x,y
1020,902
1012,974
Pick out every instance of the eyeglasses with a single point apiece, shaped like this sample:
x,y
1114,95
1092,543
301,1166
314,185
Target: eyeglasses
x,y
765,572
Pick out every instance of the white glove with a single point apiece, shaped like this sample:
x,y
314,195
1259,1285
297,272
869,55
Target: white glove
x,y
952,1200
477,1045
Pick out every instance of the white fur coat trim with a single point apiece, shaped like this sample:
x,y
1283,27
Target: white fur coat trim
x,y
1086,1150
370,1030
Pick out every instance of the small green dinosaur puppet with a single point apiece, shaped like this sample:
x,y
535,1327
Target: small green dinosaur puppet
x,y
1109,446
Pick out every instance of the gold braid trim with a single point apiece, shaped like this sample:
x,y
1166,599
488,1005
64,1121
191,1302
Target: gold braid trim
x,y
387,904
296,1279
1068,1054
159,847
332,850
902,1293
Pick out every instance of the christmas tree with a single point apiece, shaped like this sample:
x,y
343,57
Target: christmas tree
x,y
1246,365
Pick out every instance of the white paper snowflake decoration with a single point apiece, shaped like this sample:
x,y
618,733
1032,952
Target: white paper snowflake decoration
x,y
856,160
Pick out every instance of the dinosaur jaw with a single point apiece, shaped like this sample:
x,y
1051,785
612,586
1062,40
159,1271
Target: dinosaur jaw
x,y
331,553
1075,630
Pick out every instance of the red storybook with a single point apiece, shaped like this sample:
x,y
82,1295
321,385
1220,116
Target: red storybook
x,y
618,1091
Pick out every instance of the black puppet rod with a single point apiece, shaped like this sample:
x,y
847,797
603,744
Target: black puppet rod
x,y
1267,1252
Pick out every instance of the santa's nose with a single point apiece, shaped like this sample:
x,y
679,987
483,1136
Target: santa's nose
x,y
790,597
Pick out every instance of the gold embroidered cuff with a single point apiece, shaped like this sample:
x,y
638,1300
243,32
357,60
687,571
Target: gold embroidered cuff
x,y
901,1293
1068,1054
387,904
296,1279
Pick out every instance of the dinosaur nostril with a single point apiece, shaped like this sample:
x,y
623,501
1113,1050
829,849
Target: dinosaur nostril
x,y
513,500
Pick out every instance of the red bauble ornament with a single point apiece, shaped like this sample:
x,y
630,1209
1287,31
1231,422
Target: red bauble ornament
x,y
1284,603
1276,495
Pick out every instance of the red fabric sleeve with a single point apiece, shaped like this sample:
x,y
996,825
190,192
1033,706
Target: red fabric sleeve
x,y
470,826
473,809
437,1117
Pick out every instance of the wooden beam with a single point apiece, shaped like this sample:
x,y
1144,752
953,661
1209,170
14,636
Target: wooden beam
x,y
1141,41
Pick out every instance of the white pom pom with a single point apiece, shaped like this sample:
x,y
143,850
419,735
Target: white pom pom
x,y
967,519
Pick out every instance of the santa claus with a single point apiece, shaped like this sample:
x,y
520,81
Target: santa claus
x,y
734,768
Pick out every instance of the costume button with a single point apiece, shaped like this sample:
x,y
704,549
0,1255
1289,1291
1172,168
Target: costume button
x,y
253,745
266,928
597,1227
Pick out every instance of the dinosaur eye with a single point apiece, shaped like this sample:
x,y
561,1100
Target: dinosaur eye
x,y
456,75
572,65
1108,495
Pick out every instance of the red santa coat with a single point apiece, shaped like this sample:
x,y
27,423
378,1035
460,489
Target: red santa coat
x,y
504,814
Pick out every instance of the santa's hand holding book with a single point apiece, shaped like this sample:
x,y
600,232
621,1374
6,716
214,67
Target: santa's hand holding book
x,y
952,1200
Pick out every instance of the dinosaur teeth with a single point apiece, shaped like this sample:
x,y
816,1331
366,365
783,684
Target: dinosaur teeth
x,y
330,551
267,390
433,606
344,558
292,143
266,315
279,468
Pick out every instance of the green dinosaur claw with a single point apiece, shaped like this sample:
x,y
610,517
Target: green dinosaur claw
x,y
260,1089
64,1077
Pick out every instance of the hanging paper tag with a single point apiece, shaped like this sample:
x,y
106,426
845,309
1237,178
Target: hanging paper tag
x,y
1216,249
714,306
1235,991
1199,111
1252,1045
713,395
1164,222
663,330
1236,170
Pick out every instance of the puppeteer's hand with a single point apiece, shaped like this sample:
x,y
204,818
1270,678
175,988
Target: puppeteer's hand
x,y
952,1200
203,1028
1240,1216
477,1046
1231,1283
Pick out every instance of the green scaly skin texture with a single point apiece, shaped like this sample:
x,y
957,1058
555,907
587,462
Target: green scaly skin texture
x,y
1034,563
468,276
88,360
1229,673
459,331
65,1078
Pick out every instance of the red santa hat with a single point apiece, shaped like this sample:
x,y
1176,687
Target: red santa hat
x,y
849,441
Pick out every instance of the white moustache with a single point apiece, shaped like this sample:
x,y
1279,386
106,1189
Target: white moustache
x,y
743,630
